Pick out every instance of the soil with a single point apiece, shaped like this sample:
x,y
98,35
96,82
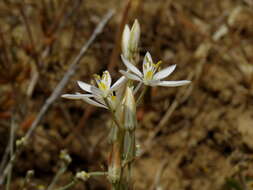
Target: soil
x,y
196,137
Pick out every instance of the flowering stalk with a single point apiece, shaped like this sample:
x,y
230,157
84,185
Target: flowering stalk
x,y
120,100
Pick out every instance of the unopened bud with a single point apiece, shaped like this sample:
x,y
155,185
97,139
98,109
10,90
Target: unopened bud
x,y
129,109
21,142
83,176
125,42
130,40
134,37
65,157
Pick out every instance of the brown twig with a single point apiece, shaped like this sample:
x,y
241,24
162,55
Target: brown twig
x,y
28,28
59,88
159,174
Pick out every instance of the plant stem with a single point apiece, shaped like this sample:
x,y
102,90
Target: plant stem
x,y
112,113
57,176
71,184
141,95
12,131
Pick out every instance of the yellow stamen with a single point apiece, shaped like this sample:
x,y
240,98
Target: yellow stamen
x,y
102,86
158,64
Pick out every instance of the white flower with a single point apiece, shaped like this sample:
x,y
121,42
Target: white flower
x,y
130,39
104,90
149,75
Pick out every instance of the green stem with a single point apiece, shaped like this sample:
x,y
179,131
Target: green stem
x,y
71,184
12,131
112,113
97,173
57,176
141,95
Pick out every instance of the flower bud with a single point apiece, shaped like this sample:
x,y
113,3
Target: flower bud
x,y
134,37
130,40
65,157
129,112
125,42
21,142
83,176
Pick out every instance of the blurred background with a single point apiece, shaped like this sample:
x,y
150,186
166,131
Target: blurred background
x,y
196,137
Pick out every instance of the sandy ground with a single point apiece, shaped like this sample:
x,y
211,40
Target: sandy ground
x,y
197,137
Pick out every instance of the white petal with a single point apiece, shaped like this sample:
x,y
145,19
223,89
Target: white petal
x,y
173,83
130,76
147,58
164,72
84,86
153,82
134,36
107,79
125,41
94,103
96,91
131,67
147,62
118,83
76,96
99,99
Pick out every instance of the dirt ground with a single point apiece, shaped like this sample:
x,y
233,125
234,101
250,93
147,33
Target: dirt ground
x,y
197,137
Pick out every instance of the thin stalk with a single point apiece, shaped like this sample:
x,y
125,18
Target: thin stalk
x,y
112,113
129,156
97,173
68,186
141,95
11,153
57,176
75,180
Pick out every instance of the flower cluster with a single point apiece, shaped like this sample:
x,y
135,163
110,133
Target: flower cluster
x,y
119,98
104,94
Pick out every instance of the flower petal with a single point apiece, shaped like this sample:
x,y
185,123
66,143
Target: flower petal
x,y
76,96
118,83
153,82
131,67
96,91
84,86
164,72
99,99
147,63
125,41
148,57
130,75
134,36
107,79
94,103
173,83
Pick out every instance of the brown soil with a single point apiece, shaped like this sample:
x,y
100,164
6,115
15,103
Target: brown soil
x,y
198,137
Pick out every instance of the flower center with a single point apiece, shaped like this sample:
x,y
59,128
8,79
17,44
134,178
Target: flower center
x,y
151,68
149,75
102,86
